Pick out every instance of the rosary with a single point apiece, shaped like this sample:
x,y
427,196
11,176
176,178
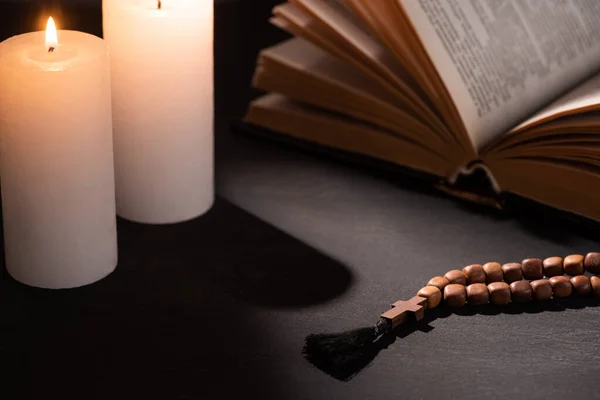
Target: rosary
x,y
476,285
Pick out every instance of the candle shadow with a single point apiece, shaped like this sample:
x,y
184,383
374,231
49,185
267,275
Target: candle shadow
x,y
184,306
258,264
363,357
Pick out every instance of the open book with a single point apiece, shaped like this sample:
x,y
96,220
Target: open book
x,y
446,87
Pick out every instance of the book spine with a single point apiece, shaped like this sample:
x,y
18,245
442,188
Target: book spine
x,y
472,168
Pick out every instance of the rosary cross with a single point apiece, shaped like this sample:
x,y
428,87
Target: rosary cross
x,y
402,309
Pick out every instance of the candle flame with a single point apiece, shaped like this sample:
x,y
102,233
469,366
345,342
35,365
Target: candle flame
x,y
51,36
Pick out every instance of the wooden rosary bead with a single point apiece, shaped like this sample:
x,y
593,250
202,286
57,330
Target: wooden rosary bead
x,y
521,291
561,286
532,268
455,295
477,294
553,266
573,265
432,294
512,272
581,285
439,282
456,277
474,273
542,289
493,272
595,282
499,293
592,263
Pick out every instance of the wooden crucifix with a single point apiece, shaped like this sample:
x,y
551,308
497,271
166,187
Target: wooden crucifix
x,y
401,310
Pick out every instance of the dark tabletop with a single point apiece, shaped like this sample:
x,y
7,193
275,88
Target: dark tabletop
x,y
218,307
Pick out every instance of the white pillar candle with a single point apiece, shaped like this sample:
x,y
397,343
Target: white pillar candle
x,y
162,80
56,159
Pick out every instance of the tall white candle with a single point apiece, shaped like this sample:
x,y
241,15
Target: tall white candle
x,y
56,159
162,71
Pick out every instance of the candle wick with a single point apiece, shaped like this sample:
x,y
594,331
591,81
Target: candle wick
x,y
159,4
51,49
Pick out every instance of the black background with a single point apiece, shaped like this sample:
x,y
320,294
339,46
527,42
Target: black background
x,y
218,307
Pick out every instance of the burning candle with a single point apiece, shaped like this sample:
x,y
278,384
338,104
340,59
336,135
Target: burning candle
x,y
162,71
56,159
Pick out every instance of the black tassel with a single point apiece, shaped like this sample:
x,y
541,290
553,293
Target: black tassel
x,y
343,355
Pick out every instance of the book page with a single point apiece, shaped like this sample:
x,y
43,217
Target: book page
x,y
502,60
345,24
583,98
322,80
352,43
343,8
